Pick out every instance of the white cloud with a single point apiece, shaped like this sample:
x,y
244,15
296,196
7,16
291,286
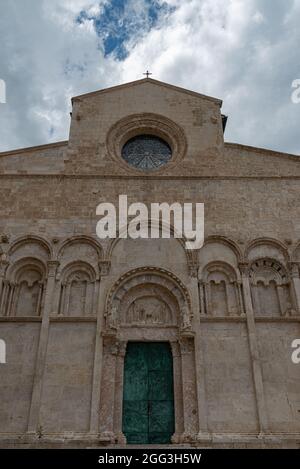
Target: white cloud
x,y
243,51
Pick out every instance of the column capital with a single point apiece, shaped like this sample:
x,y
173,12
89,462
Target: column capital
x,y
187,344
3,266
294,268
52,268
175,349
113,346
104,268
244,268
193,266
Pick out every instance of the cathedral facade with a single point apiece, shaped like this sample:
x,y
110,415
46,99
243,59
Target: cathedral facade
x,y
115,342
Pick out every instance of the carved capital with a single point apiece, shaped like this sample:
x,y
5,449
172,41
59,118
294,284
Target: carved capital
x,y
4,238
244,268
193,268
52,268
294,268
186,344
122,347
175,349
114,346
110,344
112,319
104,268
186,319
3,267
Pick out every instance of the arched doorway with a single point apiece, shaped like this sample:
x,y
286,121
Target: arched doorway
x,y
151,308
148,396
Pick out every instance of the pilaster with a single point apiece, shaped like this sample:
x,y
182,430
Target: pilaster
x,y
254,351
33,421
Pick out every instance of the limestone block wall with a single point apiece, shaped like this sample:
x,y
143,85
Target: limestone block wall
x,y
67,383
17,378
69,303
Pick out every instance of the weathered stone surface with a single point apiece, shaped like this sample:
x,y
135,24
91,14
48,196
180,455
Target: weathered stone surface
x,y
69,303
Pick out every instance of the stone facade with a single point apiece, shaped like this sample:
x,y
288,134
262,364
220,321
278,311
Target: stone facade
x,y
69,303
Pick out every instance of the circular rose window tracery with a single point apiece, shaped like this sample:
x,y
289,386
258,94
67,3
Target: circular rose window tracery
x,y
146,152
146,143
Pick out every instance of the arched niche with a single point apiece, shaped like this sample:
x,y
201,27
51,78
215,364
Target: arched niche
x,y
271,289
24,287
221,290
78,290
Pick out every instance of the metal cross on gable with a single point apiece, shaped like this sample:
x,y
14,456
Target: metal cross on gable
x,y
148,74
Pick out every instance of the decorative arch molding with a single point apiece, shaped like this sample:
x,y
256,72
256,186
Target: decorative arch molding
x,y
271,289
165,286
146,123
71,269
267,241
84,240
266,269
15,269
78,290
227,242
24,287
22,241
296,254
221,289
165,293
220,266
191,255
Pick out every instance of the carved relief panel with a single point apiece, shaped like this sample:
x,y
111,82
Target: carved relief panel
x,y
148,305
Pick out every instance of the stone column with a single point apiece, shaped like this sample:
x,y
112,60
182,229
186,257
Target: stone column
x,y
189,388
295,275
108,389
98,357
119,380
3,268
202,298
33,420
240,298
67,298
5,291
10,297
254,351
178,397
199,362
40,298
280,297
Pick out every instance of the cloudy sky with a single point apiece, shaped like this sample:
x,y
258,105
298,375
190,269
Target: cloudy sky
x,y
245,52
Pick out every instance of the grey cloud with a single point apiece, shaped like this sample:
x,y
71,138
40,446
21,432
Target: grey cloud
x,y
245,52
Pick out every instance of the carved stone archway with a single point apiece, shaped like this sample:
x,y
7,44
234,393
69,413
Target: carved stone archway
x,y
148,305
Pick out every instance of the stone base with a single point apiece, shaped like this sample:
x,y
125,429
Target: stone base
x,y
109,441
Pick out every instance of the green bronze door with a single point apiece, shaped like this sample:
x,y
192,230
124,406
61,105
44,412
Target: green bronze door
x,y
148,404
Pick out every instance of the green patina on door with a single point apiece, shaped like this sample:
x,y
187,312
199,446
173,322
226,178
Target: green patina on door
x,y
148,405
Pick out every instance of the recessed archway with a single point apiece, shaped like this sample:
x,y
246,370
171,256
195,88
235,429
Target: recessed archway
x,y
148,305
